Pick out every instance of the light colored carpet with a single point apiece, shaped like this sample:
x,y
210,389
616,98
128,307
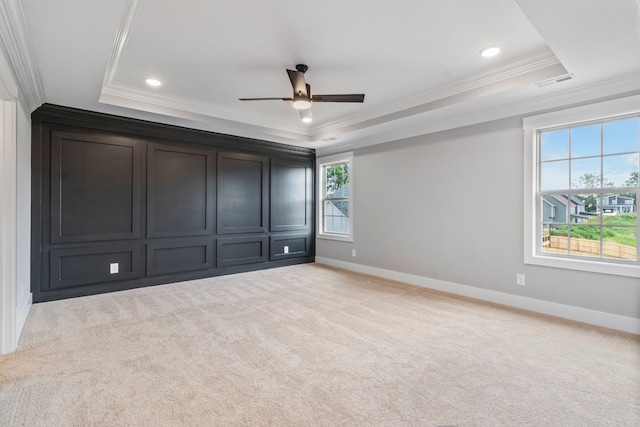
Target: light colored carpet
x,y
312,346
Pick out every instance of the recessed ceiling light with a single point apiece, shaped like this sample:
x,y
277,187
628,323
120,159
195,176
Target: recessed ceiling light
x,y
490,51
153,82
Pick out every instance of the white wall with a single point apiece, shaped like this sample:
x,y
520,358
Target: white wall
x,y
23,218
15,200
408,219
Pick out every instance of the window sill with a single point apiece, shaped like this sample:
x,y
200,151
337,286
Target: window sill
x,y
603,267
335,237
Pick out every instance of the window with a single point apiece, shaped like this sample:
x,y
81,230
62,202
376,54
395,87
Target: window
x,y
581,188
335,205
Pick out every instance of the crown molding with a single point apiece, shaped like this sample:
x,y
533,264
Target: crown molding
x,y
527,70
198,115
532,68
16,44
620,86
122,37
529,66
492,87
136,98
120,96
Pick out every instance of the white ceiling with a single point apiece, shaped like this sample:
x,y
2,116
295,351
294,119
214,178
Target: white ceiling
x,y
417,61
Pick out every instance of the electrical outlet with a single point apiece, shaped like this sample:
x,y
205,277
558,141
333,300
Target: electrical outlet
x,y
113,268
353,253
520,280
286,249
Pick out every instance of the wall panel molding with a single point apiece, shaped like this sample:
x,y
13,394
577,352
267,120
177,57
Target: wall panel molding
x,y
84,265
242,205
164,203
180,191
291,189
290,245
242,250
95,187
180,255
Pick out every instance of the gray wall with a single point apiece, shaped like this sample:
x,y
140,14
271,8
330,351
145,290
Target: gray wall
x,y
407,218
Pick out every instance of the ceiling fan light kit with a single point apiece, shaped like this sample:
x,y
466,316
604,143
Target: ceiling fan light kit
x,y
301,102
305,115
302,98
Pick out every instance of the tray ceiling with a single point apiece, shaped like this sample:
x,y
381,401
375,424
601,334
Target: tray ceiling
x,y
418,62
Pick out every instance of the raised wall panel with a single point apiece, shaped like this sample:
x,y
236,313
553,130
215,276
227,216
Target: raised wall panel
x,y
179,255
297,244
291,195
241,250
87,265
180,191
242,204
165,203
95,187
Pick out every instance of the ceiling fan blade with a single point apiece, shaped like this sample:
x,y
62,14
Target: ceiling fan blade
x,y
353,97
265,99
297,82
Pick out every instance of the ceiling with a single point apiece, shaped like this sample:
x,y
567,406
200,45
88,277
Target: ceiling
x,y
418,62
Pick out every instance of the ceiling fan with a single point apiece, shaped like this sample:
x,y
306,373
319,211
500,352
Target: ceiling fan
x,y
302,97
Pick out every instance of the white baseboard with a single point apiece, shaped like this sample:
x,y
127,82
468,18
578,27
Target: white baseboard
x,y
21,317
584,315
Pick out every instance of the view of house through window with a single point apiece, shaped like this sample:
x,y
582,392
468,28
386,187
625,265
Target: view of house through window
x,y
335,205
587,191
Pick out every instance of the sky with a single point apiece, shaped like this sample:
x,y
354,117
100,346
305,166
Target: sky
x,y
610,149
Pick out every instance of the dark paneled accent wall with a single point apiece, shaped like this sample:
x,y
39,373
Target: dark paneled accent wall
x,y
119,203
242,193
95,187
180,191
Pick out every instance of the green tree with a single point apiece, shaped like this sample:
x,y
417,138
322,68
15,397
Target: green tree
x,y
591,180
337,185
337,177
631,182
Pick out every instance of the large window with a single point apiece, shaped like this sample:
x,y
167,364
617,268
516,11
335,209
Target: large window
x,y
581,175
335,206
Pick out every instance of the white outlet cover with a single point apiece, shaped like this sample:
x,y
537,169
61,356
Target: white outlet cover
x,y
113,268
286,249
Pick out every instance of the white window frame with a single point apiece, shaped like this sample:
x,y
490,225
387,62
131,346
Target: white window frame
x,y
569,117
322,162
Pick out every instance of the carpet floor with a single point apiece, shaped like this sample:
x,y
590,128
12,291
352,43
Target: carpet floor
x,y
309,345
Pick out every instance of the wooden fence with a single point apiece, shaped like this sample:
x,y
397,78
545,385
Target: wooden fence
x,y
560,244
